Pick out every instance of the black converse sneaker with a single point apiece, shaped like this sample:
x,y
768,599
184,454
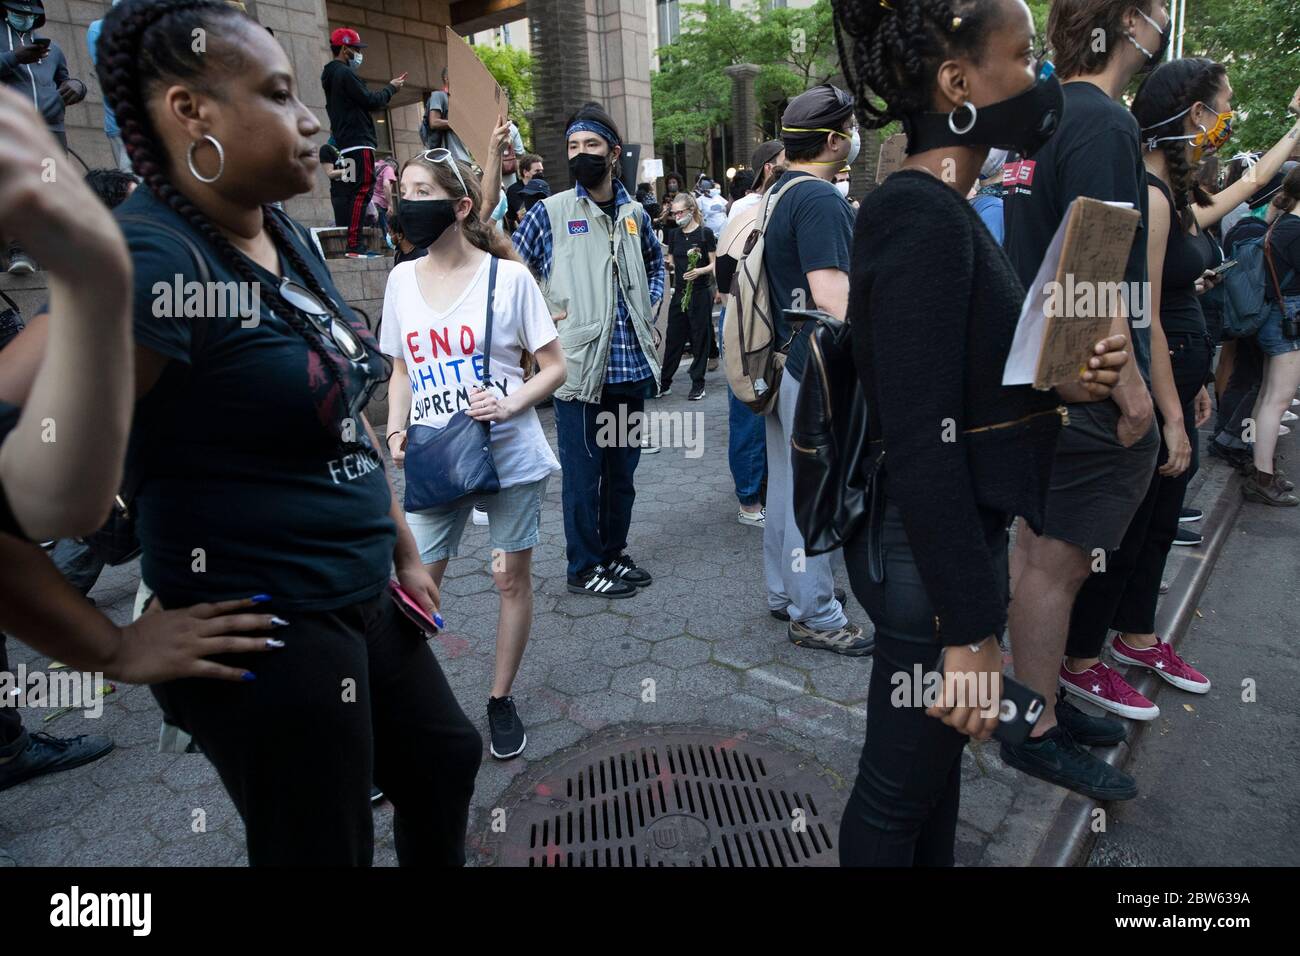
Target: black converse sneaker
x,y
600,583
505,728
626,570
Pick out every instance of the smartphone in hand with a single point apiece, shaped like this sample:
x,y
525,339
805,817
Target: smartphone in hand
x,y
1224,266
431,625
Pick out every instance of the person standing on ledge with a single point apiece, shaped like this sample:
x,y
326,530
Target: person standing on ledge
x,y
349,104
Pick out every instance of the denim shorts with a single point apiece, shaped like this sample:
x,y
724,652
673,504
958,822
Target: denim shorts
x,y
514,522
1270,337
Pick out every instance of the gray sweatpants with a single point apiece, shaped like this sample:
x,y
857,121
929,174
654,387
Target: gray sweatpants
x,y
802,586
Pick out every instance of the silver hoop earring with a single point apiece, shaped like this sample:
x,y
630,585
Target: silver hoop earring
x,y
952,123
221,159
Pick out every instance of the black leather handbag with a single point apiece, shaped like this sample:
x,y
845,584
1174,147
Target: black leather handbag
x,y
444,465
837,469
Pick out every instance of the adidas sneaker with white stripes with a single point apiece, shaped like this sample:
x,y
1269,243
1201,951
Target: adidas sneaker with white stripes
x,y
600,583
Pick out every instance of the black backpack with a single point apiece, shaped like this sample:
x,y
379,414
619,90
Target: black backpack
x,y
836,467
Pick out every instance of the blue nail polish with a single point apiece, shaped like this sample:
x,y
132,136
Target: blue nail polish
x,y
248,675
260,598
279,622
272,642
437,619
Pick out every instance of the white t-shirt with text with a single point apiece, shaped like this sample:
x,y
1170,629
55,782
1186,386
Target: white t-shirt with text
x,y
443,353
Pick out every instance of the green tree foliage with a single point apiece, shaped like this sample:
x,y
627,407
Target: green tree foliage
x,y
793,48
1259,44
513,69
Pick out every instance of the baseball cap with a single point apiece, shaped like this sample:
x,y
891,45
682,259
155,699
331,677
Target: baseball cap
x,y
536,187
766,153
346,36
822,107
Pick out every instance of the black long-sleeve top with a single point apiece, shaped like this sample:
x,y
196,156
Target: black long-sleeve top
x,y
349,103
933,307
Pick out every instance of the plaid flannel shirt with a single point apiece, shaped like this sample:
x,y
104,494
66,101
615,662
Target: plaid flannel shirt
x,y
536,246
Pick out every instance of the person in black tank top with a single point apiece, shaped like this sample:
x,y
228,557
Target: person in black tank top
x,y
1183,110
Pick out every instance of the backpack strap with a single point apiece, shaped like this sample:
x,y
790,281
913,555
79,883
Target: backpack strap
x,y
132,477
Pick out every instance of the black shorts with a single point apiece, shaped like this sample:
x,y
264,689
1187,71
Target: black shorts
x,y
1097,483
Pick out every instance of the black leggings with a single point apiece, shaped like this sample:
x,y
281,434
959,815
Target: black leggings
x,y
356,696
1124,595
903,809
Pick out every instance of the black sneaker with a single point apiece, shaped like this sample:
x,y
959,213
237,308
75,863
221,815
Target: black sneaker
x,y
505,728
599,583
665,391
375,794
1187,538
1057,758
696,394
625,569
1085,728
1190,514
1238,458
46,754
785,615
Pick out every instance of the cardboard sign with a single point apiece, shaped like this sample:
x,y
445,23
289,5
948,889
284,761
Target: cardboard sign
x,y
475,99
892,153
651,169
1078,291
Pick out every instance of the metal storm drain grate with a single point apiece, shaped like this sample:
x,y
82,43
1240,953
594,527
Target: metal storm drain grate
x,y
671,798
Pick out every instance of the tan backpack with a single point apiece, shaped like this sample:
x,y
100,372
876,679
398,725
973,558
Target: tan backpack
x,y
754,358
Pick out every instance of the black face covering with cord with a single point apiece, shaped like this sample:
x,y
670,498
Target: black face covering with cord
x,y
1024,122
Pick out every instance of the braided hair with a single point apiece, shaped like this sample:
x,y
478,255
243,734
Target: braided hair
x,y
1172,88
891,53
146,44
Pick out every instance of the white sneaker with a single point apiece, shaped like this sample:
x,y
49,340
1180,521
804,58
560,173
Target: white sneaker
x,y
1283,430
648,448
480,516
757,519
1289,416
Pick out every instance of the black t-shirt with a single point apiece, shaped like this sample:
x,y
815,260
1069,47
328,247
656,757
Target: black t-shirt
x,y
1095,153
8,422
330,154
811,228
680,244
233,446
1186,258
1285,247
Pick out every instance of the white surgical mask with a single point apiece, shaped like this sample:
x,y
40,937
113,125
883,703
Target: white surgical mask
x,y
356,61
854,145
843,188
684,219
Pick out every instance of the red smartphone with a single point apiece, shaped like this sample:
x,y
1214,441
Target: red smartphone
x,y
408,606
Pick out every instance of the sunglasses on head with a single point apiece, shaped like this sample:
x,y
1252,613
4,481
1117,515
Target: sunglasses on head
x,y
441,155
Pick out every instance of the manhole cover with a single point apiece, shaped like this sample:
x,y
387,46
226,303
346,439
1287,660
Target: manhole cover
x,y
670,797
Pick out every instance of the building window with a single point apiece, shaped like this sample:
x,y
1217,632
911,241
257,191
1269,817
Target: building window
x,y
383,131
775,4
669,21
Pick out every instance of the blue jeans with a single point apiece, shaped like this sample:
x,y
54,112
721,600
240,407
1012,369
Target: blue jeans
x,y
597,489
746,444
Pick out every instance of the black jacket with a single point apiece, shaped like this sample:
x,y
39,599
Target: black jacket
x,y
933,306
349,103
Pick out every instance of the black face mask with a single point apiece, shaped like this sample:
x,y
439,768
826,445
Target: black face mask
x,y
1024,122
424,220
588,169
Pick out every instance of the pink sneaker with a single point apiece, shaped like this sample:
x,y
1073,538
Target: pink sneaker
x,y
1164,660
1102,685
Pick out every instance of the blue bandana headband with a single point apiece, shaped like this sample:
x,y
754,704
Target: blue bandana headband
x,y
591,126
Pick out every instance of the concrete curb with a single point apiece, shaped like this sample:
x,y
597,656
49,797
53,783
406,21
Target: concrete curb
x,y
1069,837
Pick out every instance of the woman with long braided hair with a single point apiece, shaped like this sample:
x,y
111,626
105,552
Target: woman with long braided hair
x,y
933,306
257,474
